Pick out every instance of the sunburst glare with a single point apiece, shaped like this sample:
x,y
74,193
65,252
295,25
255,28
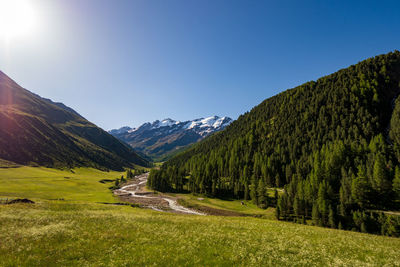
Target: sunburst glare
x,y
17,18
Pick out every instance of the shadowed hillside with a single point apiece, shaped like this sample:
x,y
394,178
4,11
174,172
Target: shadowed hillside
x,y
37,131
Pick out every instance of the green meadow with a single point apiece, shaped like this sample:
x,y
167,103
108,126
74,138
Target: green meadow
x,y
81,184
248,208
79,231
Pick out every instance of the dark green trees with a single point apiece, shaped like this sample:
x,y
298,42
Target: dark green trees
x,y
158,181
381,180
262,194
396,183
171,179
360,187
131,173
253,190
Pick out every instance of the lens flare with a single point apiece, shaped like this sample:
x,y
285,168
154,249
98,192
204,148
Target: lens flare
x,y
17,18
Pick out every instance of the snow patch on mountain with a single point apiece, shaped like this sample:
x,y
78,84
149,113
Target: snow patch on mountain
x,y
165,123
202,126
205,126
213,122
121,130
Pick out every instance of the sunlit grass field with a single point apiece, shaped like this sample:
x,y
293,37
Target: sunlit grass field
x,y
78,231
81,184
231,205
66,234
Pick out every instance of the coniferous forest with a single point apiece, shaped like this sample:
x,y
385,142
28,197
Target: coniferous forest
x,y
332,145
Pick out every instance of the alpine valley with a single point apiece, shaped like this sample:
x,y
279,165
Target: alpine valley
x,y
305,171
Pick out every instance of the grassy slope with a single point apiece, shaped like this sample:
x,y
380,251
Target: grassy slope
x,y
231,204
94,234
82,232
45,183
7,164
235,205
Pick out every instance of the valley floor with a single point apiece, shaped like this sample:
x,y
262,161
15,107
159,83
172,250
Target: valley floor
x,y
68,226
134,191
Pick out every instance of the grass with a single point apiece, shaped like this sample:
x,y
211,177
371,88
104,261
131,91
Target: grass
x,y
80,232
8,164
81,184
229,204
66,234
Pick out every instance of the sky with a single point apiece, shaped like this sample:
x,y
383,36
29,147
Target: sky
x,y
126,62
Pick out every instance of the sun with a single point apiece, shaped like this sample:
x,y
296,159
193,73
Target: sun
x,y
17,18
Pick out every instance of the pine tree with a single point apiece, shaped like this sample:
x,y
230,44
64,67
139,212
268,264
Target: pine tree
x,y
283,206
396,182
246,191
261,193
296,206
380,176
253,191
322,202
277,212
278,180
363,228
331,218
316,218
129,174
359,187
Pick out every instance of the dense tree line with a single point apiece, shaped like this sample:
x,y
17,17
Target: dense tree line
x,y
332,144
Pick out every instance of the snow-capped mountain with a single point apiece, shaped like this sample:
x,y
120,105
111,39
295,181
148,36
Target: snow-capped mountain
x,y
161,138
208,125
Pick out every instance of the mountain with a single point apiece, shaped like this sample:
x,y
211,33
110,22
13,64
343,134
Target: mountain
x,y
162,139
332,144
38,131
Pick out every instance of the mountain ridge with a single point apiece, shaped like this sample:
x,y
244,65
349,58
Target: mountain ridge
x,y
39,131
162,138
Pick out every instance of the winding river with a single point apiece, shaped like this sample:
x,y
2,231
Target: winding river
x,y
135,190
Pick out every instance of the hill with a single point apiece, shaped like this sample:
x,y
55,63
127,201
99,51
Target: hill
x,y
37,131
162,139
332,144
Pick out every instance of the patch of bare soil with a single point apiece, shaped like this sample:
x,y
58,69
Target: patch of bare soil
x,y
217,212
19,200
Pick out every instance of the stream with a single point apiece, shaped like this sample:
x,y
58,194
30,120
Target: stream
x,y
136,190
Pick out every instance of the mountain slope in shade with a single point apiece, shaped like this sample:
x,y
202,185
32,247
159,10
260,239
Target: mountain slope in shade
x,y
161,139
35,130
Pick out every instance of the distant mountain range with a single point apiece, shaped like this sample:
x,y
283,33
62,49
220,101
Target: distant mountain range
x,y
38,131
161,139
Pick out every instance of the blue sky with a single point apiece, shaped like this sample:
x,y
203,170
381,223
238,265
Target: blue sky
x,y
128,62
